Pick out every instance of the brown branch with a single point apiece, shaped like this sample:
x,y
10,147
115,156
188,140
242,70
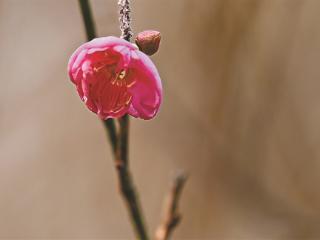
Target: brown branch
x,y
87,19
171,216
125,181
118,135
91,34
129,194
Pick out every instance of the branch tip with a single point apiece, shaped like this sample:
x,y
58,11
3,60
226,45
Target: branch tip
x,y
171,217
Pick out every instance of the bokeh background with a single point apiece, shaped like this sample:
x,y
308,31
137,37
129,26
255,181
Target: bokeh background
x,y
240,115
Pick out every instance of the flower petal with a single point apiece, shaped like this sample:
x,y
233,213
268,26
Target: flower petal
x,y
146,89
110,41
74,66
113,78
95,45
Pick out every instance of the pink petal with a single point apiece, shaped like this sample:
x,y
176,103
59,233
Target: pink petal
x,y
147,89
95,66
74,66
95,45
110,41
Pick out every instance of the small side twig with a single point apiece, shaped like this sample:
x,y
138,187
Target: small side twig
x,y
171,216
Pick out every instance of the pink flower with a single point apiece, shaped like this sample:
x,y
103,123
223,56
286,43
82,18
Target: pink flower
x,y
113,78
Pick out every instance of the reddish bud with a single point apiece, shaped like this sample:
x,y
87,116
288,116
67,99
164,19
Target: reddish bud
x,y
148,41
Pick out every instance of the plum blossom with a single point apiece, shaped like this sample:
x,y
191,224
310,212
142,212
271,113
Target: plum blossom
x,y
114,78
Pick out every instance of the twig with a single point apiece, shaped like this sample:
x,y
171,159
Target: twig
x,y
87,19
91,34
171,216
119,139
125,19
126,183
110,127
119,143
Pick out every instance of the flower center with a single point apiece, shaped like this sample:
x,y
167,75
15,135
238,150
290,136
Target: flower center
x,y
113,95
122,74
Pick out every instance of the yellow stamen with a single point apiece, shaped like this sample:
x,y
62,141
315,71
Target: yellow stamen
x,y
96,69
122,74
131,84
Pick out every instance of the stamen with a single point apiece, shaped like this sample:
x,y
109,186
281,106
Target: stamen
x,y
97,69
131,84
128,101
122,74
114,97
119,79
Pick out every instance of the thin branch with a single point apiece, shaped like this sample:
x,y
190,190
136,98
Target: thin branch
x,y
87,19
119,139
126,183
171,216
110,127
125,19
91,34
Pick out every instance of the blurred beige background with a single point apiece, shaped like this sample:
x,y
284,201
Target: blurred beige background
x,y
240,114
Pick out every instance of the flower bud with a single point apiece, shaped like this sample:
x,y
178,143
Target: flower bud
x,y
148,41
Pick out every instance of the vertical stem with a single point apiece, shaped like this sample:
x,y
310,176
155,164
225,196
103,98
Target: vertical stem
x,y
119,139
125,19
91,34
126,182
122,143
87,19
110,127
